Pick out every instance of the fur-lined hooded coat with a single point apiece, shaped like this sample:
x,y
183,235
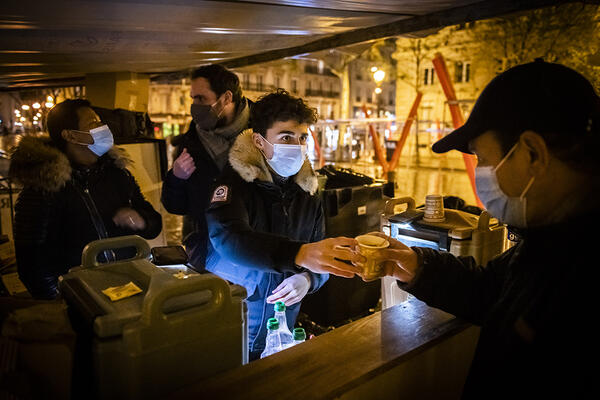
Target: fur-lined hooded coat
x,y
257,226
61,209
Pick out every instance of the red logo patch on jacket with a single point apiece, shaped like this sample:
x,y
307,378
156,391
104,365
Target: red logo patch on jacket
x,y
220,194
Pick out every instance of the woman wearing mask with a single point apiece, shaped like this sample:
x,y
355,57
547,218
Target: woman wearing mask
x,y
76,189
264,218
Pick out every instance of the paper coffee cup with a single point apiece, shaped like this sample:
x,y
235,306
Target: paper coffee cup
x,y
434,208
369,246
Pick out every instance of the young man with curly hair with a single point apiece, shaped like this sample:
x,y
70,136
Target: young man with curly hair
x,y
265,223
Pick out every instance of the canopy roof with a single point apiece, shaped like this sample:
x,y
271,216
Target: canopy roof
x,y
58,42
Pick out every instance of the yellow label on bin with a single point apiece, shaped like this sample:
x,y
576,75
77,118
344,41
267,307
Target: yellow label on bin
x,y
121,292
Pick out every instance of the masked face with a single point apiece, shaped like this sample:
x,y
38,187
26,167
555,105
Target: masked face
x,y
103,140
287,158
205,116
99,140
284,146
510,210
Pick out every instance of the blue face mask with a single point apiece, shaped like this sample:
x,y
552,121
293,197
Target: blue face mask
x,y
287,158
103,140
510,210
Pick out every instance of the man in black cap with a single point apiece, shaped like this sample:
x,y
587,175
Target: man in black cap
x,y
535,130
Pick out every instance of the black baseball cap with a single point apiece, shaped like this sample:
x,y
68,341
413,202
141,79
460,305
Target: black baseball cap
x,y
546,98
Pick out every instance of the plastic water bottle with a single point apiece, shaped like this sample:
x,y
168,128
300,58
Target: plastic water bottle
x,y
287,339
273,341
299,335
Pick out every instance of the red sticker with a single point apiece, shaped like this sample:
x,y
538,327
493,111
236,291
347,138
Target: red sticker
x,y
220,194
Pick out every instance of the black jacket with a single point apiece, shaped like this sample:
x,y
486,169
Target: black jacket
x,y
190,197
61,209
534,303
257,226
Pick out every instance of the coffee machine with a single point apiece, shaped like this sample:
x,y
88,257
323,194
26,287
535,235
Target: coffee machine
x,y
460,233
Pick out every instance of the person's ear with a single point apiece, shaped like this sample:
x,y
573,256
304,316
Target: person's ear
x,y
258,141
537,153
228,98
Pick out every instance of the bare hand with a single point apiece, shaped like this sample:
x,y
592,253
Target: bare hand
x,y
183,166
128,218
399,260
325,257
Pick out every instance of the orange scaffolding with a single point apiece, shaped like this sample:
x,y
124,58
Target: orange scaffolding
x,y
376,144
439,65
412,115
317,148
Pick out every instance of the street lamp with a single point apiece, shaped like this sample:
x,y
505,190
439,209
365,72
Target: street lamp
x,y
378,76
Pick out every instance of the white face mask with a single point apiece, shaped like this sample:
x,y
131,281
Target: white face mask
x,y
287,158
103,140
510,210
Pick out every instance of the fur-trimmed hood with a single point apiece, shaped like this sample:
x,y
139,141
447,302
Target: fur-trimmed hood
x,y
37,163
248,161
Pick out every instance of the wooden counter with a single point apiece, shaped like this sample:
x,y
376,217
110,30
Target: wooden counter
x,y
409,351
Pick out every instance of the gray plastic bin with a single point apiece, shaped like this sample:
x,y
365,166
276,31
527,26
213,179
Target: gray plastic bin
x,y
174,333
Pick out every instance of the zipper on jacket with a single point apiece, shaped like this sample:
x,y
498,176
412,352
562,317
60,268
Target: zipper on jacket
x,y
96,219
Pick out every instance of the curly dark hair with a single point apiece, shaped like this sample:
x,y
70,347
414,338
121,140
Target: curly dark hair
x,y
279,106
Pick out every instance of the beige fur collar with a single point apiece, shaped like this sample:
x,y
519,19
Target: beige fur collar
x,y
249,162
37,163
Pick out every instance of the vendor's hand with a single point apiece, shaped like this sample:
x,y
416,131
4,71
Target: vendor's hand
x,y
324,257
399,260
184,165
292,290
128,218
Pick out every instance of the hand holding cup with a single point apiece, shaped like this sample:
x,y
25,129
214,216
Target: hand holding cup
x,y
393,259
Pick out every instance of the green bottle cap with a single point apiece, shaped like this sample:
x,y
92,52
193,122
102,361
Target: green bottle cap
x,y
279,306
299,334
272,324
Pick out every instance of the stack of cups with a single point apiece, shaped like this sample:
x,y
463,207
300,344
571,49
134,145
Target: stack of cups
x,y
434,208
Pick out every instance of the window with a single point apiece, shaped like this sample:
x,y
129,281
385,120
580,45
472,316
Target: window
x,y
357,94
259,82
428,76
462,72
277,82
246,81
294,86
